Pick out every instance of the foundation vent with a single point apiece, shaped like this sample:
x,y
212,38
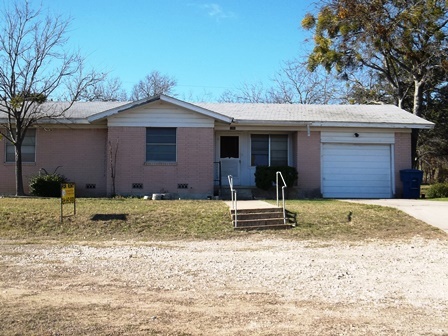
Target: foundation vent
x,y
182,186
137,185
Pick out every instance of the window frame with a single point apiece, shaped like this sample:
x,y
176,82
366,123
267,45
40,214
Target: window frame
x,y
269,149
10,157
148,158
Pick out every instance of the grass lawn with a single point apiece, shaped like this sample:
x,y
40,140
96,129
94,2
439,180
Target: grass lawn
x,y
138,219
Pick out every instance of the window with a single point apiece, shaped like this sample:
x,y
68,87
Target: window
x,y
28,148
230,147
161,144
269,150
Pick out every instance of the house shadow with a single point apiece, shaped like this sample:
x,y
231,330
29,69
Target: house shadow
x,y
109,217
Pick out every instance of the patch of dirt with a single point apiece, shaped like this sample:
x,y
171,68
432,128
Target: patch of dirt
x,y
247,286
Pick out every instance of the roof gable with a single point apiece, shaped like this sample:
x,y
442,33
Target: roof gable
x,y
163,98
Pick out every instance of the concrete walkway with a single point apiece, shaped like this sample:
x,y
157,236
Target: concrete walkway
x,y
432,212
243,205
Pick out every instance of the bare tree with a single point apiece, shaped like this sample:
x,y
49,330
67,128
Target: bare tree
x,y
110,89
293,84
367,87
33,67
153,84
247,93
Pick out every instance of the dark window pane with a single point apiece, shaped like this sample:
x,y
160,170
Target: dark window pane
x,y
230,147
260,150
161,144
28,148
279,150
269,150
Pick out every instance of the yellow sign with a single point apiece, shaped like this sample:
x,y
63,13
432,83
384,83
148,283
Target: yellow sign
x,y
67,193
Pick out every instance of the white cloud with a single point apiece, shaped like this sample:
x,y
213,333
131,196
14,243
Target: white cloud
x,y
215,11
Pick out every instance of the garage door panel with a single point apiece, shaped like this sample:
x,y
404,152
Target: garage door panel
x,y
359,194
343,167
357,189
356,171
344,148
352,184
360,163
360,153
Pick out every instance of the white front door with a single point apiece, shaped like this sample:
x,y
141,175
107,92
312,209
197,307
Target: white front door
x,y
230,158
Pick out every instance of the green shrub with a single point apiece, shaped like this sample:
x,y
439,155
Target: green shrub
x,y
438,190
47,185
265,176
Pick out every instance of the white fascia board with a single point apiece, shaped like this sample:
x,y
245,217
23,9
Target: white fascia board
x,y
63,121
427,125
113,111
58,121
195,108
271,122
374,125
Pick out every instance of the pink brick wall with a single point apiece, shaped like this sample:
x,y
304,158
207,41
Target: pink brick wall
x,y
307,158
79,152
84,157
194,166
403,159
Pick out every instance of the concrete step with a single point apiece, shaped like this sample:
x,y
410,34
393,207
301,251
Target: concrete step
x,y
264,227
257,215
260,210
262,218
259,222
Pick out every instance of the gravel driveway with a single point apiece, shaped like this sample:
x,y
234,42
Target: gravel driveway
x,y
251,286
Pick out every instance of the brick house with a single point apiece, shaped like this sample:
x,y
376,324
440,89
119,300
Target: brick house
x,y
164,144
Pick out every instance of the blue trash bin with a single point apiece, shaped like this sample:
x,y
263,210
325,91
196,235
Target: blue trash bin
x,y
412,180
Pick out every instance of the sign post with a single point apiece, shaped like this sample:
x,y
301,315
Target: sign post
x,y
68,197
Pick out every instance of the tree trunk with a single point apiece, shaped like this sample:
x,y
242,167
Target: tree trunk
x,y
18,170
418,97
416,110
414,142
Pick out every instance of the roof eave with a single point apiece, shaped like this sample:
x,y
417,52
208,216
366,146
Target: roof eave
x,y
60,121
427,125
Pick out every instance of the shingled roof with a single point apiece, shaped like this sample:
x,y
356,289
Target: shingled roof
x,y
324,115
385,116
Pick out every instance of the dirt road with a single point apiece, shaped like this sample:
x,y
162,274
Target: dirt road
x,y
250,286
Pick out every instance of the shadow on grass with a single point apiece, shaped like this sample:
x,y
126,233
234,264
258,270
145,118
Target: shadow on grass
x,y
107,217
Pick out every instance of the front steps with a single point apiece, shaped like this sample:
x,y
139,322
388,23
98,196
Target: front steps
x,y
258,219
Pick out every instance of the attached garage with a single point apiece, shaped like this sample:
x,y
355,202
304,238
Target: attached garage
x,y
354,166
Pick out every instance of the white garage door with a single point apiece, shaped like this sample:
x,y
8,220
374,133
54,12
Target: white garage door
x,y
356,171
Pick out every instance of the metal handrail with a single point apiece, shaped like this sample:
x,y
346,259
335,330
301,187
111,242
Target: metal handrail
x,y
277,174
234,200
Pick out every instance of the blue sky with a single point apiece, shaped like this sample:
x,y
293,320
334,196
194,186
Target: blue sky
x,y
207,46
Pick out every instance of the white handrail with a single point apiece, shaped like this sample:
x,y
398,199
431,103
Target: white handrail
x,y
283,193
234,200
